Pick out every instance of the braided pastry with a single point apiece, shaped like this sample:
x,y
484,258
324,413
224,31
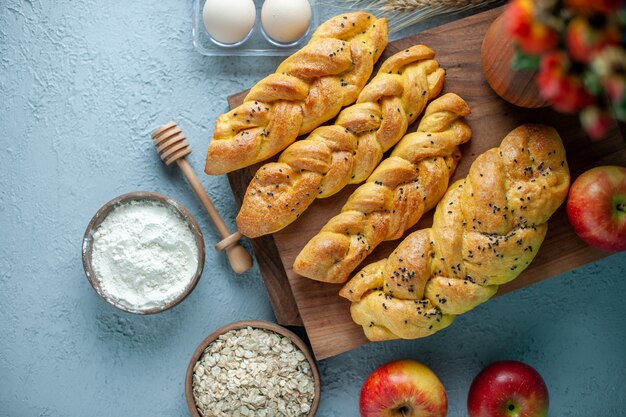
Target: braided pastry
x,y
346,152
307,89
404,186
486,231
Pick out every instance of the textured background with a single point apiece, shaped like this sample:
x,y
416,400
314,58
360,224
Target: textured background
x,y
82,84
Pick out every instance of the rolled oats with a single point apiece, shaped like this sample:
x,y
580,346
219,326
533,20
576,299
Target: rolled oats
x,y
253,372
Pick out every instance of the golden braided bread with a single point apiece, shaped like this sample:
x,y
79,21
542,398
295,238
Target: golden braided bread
x,y
346,152
404,186
307,89
486,231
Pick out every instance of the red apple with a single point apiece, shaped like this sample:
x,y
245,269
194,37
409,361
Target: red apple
x,y
596,207
404,388
508,389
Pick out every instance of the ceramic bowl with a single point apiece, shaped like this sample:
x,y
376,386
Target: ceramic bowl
x,y
101,215
258,324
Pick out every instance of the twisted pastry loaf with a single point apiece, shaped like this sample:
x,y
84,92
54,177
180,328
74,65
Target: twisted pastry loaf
x,y
307,89
404,186
346,152
487,229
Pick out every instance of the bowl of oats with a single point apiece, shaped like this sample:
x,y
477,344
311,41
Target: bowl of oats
x,y
252,368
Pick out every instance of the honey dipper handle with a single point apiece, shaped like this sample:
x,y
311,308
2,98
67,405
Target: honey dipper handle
x,y
240,260
203,196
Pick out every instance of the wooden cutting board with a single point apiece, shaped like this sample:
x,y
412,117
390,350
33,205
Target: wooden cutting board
x,y
326,315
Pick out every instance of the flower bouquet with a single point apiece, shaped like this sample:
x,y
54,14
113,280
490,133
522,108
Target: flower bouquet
x,y
578,48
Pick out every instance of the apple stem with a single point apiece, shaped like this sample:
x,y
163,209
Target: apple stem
x,y
621,207
403,412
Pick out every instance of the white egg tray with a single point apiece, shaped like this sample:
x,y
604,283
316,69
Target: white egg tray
x,y
257,44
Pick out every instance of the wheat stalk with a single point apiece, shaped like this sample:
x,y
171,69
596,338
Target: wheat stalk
x,y
404,13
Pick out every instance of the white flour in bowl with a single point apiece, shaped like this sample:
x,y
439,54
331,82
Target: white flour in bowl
x,y
144,254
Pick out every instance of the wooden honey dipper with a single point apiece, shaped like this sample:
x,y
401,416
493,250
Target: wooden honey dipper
x,y
172,147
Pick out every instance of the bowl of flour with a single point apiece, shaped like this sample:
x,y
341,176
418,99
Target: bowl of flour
x,y
143,252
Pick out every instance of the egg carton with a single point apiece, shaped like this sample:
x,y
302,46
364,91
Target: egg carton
x,y
257,44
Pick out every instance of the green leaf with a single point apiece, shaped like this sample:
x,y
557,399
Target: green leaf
x,y
619,110
592,83
523,62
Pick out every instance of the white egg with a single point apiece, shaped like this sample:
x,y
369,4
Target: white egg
x,y
229,21
285,21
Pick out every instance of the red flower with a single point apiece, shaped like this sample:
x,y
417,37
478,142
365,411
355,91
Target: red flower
x,y
564,91
596,122
590,7
532,36
584,41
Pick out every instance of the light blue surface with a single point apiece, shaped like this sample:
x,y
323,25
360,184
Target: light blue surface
x,y
82,84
